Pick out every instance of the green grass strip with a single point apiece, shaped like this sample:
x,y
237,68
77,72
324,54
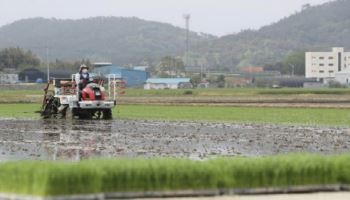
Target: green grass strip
x,y
45,178
20,110
300,116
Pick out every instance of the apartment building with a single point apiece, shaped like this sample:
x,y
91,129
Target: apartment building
x,y
323,65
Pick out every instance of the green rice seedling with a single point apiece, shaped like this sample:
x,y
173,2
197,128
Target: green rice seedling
x,y
157,174
44,178
24,177
72,178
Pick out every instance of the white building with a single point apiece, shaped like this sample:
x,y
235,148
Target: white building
x,y
325,65
8,78
166,83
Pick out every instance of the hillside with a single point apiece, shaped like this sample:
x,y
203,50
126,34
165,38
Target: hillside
x,y
134,41
120,40
314,28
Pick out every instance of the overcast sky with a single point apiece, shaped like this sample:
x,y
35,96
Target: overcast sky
x,y
217,17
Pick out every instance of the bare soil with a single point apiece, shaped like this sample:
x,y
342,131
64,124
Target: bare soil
x,y
75,140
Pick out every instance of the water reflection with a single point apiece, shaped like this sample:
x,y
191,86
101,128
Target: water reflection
x,y
76,139
79,139
52,139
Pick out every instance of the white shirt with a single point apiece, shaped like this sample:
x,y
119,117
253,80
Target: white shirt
x,y
77,77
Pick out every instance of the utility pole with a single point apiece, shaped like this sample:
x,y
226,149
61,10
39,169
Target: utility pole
x,y
187,18
48,64
201,72
291,65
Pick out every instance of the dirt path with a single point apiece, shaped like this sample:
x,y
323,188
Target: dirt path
x,y
67,140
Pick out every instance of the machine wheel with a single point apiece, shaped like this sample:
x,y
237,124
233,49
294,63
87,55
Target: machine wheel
x,y
62,111
85,114
50,109
107,114
96,114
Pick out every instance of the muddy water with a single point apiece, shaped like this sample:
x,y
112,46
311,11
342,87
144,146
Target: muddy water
x,y
75,140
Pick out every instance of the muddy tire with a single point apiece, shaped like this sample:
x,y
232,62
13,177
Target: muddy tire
x,y
96,114
85,115
62,113
107,114
50,109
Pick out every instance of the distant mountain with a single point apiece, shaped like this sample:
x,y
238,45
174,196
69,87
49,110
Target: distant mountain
x,y
120,40
133,41
314,28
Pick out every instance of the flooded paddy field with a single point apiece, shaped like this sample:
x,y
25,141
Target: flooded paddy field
x,y
75,140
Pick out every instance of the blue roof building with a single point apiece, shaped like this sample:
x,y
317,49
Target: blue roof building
x,y
133,78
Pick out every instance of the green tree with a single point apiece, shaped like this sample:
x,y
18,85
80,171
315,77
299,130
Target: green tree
x,y
172,65
69,65
17,58
295,63
221,81
195,80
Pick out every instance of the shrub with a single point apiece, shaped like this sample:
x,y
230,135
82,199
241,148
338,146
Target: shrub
x,y
188,92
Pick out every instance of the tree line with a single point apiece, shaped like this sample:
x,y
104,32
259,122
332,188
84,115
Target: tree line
x,y
18,59
293,64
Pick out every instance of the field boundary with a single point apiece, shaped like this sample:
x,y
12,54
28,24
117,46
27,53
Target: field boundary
x,y
248,104
187,193
255,101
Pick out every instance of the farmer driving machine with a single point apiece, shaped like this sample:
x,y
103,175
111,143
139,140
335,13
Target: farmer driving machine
x,y
63,99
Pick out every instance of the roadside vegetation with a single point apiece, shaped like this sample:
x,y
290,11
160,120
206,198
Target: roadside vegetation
x,y
165,174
